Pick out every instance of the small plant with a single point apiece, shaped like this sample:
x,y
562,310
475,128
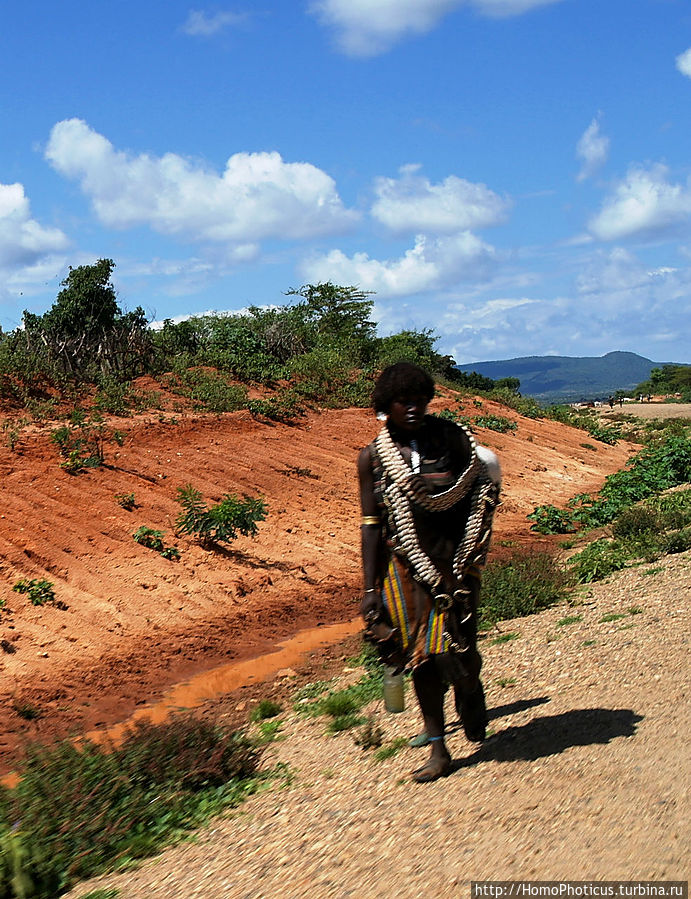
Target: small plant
x,y
390,750
311,691
170,552
12,429
344,722
149,537
635,610
26,710
153,539
266,708
291,470
83,809
269,731
495,423
611,616
569,619
635,521
40,591
82,442
220,523
370,735
126,500
506,681
340,703
505,638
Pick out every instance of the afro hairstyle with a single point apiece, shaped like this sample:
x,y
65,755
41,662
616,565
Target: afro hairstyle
x,y
403,379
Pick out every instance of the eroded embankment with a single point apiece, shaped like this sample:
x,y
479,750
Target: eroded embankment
x,y
136,622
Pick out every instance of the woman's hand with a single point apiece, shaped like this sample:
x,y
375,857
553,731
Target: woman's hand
x,y
371,603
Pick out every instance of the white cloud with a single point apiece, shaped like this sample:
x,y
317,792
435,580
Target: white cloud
x,y
257,196
412,203
23,241
202,24
645,202
684,63
431,264
592,149
369,27
612,272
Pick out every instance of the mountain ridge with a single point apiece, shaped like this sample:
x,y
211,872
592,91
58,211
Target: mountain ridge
x,y
570,378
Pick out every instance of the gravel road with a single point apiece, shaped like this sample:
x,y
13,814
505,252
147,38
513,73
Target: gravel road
x,y
585,775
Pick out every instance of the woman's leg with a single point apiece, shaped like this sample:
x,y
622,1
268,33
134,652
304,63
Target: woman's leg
x,y
429,688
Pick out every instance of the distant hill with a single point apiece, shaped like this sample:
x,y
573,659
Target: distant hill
x,y
570,378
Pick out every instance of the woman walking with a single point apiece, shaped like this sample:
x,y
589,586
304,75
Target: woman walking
x,y
428,495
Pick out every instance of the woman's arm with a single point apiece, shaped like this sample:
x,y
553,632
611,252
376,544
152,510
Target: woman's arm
x,y
370,535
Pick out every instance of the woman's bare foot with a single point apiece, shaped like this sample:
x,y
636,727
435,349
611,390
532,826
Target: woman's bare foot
x,y
437,765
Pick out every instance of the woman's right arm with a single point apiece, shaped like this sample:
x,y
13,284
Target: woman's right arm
x,y
370,535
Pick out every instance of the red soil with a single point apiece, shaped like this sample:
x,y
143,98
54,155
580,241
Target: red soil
x,y
136,623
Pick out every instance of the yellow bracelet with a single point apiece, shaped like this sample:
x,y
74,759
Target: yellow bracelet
x,y
371,519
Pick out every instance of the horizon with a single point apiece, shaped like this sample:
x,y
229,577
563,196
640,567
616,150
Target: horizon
x,y
513,174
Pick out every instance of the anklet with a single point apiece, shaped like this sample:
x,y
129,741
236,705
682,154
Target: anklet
x,y
435,739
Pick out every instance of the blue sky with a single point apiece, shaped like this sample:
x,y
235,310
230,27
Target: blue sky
x,y
514,174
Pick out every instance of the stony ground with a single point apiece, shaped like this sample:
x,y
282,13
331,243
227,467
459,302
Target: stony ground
x,y
585,775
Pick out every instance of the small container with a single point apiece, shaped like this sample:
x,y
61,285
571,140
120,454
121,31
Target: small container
x,y
394,698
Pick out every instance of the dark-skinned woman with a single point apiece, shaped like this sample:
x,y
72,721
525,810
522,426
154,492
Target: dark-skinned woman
x,y
428,495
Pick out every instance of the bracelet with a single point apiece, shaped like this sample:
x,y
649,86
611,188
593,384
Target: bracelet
x,y
371,519
371,590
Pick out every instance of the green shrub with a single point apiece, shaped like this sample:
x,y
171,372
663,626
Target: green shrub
x,y
520,586
126,500
80,810
220,523
597,560
636,520
676,542
548,519
266,708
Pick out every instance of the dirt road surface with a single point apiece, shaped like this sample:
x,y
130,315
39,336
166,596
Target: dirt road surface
x,y
585,777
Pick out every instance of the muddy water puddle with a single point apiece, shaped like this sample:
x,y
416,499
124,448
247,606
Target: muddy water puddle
x,y
217,682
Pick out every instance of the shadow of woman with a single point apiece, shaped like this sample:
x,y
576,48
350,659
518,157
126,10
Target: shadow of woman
x,y
553,734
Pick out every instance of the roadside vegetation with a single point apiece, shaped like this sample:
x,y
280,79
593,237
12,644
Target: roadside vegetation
x,y
79,810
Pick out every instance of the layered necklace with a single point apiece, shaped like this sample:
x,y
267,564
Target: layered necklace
x,y
404,489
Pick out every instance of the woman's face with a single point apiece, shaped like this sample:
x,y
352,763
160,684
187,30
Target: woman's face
x,y
408,412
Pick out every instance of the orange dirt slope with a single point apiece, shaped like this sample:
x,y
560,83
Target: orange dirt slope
x,y
136,622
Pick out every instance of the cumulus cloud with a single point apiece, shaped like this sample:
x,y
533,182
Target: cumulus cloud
x,y
592,149
23,240
370,27
431,264
645,202
203,24
684,63
257,196
611,273
411,203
